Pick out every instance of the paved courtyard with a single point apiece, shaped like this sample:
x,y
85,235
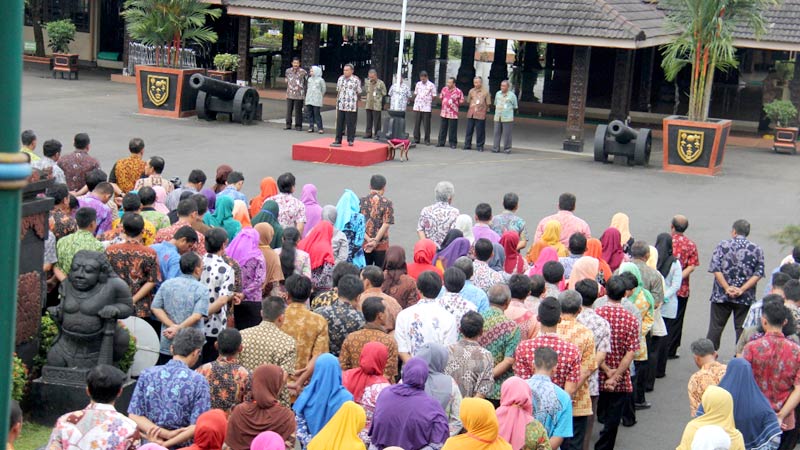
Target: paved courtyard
x,y
755,184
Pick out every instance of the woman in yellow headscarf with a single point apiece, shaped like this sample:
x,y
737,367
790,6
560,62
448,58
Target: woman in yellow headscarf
x,y
718,407
341,432
551,237
483,431
622,223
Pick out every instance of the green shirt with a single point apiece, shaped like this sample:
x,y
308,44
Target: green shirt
x,y
67,246
34,156
504,106
158,219
501,337
375,92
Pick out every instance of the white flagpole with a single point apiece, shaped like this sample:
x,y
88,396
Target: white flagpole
x,y
402,41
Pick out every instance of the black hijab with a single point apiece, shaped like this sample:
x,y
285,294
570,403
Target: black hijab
x,y
665,258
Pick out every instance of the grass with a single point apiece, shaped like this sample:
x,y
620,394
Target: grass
x,y
33,436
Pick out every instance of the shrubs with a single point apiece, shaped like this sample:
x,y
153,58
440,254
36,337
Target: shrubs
x,y
60,33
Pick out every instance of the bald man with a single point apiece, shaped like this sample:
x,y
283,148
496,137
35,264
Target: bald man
x,y
686,251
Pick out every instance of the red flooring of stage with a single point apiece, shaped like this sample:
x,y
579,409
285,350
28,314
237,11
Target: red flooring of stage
x,y
361,154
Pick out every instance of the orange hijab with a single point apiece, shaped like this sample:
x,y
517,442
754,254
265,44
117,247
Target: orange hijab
x,y
269,188
240,213
594,248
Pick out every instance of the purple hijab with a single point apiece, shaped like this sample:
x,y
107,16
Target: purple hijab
x,y
405,416
244,246
313,208
456,249
211,197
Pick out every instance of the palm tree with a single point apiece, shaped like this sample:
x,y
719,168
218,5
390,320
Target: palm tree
x,y
169,22
705,41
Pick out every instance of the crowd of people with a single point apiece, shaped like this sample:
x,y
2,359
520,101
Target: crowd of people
x,y
286,323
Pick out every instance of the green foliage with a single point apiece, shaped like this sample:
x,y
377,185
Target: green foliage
x,y
704,41
126,362
19,374
785,70
60,33
788,237
268,41
454,49
226,61
47,335
780,111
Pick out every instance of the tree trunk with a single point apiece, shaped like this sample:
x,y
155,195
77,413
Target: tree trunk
x,y
38,34
707,93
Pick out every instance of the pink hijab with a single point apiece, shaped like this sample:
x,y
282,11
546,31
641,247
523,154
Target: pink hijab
x,y
161,198
584,268
546,255
515,411
268,440
244,246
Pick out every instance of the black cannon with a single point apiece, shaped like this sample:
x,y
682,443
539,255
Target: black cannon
x,y
619,139
216,96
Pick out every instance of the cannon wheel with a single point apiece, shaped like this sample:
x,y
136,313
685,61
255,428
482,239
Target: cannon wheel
x,y
201,105
245,105
644,143
600,144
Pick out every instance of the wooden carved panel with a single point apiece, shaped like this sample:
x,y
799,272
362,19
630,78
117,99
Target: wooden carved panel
x,y
576,106
29,306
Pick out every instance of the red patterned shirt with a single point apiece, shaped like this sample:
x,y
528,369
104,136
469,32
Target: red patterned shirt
x,y
136,265
776,368
451,100
166,234
686,251
568,368
624,339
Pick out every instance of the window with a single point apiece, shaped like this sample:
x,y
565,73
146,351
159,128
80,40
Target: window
x,y
77,11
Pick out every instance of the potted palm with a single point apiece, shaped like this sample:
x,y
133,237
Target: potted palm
x,y
169,26
783,112
60,33
703,41
226,65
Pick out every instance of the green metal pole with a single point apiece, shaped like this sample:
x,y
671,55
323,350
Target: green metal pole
x,y
14,170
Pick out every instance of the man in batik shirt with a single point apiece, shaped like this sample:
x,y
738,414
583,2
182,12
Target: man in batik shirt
x,y
349,88
229,381
470,364
296,78
452,98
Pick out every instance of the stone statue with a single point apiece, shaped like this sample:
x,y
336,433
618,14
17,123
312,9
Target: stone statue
x,y
93,297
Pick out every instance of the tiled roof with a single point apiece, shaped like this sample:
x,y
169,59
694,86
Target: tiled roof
x,y
782,22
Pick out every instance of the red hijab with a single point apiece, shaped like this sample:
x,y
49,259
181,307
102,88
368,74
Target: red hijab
x,y
318,244
514,261
210,430
371,365
424,252
612,248
269,188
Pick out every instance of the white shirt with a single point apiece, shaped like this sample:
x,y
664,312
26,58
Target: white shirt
x,y
220,279
424,323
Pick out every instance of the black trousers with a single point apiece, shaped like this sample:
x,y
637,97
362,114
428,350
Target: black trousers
x,y
675,336
789,438
653,353
578,434
314,117
246,315
609,405
295,106
479,128
346,119
376,258
373,123
210,353
448,130
423,119
664,347
642,374
590,424
720,313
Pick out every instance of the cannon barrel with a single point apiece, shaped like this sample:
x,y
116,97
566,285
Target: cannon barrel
x,y
211,86
621,132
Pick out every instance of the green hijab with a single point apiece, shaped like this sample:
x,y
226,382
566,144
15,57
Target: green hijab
x,y
631,267
269,214
223,217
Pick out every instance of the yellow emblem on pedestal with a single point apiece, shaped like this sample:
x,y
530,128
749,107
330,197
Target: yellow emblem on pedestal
x,y
690,145
158,89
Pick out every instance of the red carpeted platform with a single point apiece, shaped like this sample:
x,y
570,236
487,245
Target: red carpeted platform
x,y
361,154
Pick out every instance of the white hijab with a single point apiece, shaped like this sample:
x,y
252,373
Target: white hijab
x,y
711,437
464,223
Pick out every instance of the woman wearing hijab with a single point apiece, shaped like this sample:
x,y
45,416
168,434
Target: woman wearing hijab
x,y
480,421
515,416
396,281
315,91
241,214
407,417
514,262
351,222
320,251
621,223
293,260
223,217
584,268
320,400
498,259
221,178
612,248
263,413
670,268
752,413
244,250
441,386
718,405
711,437
463,224
269,214
367,381
313,208
341,432
644,302
268,440
274,273
424,252
152,446
547,254
210,430
211,198
341,248
453,250
161,200
594,248
551,237
268,188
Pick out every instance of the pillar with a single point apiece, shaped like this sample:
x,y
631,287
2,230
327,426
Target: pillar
x,y
646,61
557,74
499,69
244,72
424,53
794,85
531,61
466,72
381,58
334,41
361,33
287,45
309,55
530,71
576,107
443,50
623,84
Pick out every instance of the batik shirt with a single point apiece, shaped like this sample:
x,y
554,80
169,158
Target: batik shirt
x,y
68,246
349,89
219,278
350,355
536,437
708,375
508,221
686,252
479,102
126,171
451,100
504,106
180,298
172,396
228,381
291,211
168,233
117,233
342,319
776,368
456,305
158,219
377,210
471,367
376,90
602,341
254,275
265,343
525,319
568,368
45,163
436,220
624,339
398,97
154,180
423,323
136,265
62,224
98,426
75,166
368,401
484,276
104,217
423,96
309,330
572,331
738,260
501,337
296,83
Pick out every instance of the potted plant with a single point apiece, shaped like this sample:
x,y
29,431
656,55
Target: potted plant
x,y
60,33
694,143
226,65
169,26
783,112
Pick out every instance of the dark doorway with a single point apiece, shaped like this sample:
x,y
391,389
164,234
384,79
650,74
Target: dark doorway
x,y
112,27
